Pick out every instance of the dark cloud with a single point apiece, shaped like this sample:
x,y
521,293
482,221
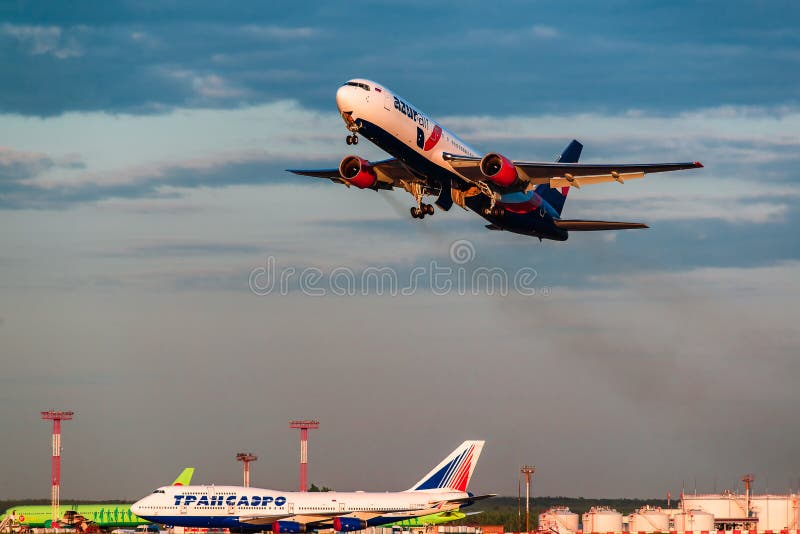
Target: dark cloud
x,y
15,194
621,55
628,369
16,166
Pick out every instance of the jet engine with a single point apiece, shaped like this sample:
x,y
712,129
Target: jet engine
x,y
498,169
357,171
288,527
348,524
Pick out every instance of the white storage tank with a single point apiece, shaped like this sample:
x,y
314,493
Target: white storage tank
x,y
559,520
694,521
602,519
775,512
649,519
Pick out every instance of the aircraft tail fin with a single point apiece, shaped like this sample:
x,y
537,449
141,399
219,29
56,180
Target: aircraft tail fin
x,y
557,197
185,478
455,471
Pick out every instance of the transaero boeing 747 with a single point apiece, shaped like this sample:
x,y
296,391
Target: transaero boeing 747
x,y
243,509
429,160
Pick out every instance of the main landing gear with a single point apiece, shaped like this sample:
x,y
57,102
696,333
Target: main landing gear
x,y
493,211
352,139
421,211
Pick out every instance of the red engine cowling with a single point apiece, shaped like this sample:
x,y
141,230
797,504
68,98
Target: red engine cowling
x,y
348,524
357,171
498,169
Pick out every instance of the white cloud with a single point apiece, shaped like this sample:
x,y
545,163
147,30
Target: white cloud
x,y
765,126
209,86
778,279
739,211
544,32
278,32
44,40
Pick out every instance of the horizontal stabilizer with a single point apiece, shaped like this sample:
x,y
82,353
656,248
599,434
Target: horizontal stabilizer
x,y
576,225
471,498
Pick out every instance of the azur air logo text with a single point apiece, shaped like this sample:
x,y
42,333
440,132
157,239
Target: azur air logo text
x,y
423,122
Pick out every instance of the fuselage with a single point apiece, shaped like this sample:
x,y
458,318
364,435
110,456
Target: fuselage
x,y
105,515
225,506
404,131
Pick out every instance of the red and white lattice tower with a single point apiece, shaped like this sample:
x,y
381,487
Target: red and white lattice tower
x,y
246,458
304,426
55,492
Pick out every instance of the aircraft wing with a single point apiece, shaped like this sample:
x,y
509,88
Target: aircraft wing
x,y
559,175
306,519
262,519
390,172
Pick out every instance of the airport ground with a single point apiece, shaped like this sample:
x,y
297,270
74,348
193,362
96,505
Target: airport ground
x,y
506,511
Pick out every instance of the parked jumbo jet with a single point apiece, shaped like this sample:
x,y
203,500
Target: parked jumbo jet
x,y
251,509
518,196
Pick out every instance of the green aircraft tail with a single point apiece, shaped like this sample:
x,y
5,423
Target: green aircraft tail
x,y
185,478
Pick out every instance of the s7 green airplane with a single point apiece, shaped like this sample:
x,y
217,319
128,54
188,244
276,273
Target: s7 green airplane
x,y
430,520
106,516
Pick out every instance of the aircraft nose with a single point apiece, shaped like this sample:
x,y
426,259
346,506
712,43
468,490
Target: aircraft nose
x,y
344,98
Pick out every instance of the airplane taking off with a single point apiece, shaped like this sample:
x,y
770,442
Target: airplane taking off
x,y
428,160
245,509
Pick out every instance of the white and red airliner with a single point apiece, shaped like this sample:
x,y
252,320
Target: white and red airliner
x,y
428,160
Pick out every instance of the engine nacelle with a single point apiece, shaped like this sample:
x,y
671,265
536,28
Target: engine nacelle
x,y
348,524
288,527
357,171
498,169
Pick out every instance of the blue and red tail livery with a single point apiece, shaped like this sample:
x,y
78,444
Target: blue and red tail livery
x,y
524,197
455,471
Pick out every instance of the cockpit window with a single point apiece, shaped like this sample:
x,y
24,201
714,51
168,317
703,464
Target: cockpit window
x,y
357,84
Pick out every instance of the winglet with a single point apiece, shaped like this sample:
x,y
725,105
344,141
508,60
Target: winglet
x,y
185,478
698,165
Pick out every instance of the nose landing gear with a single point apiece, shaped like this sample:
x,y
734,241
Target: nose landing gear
x,y
352,125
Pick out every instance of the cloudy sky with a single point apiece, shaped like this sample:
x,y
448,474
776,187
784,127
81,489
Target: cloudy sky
x,y
144,210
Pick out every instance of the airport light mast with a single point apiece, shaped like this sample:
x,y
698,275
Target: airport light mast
x,y
246,458
528,471
304,426
748,481
55,492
